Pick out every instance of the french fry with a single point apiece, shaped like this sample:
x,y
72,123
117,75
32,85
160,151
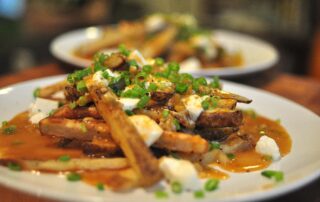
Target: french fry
x,y
75,164
125,134
172,141
157,45
175,141
47,91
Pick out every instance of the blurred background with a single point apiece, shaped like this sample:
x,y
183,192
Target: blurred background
x,y
292,26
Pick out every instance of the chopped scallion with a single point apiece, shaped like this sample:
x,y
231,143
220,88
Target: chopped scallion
x,y
165,113
123,50
14,166
159,61
211,185
176,187
198,194
161,194
143,101
36,92
73,177
176,124
64,158
277,175
81,86
100,186
214,145
181,88
231,156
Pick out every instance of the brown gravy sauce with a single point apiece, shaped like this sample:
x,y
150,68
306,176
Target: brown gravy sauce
x,y
28,144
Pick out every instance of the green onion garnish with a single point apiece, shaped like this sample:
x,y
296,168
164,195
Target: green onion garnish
x,y
9,129
123,50
64,158
215,83
5,123
143,101
214,145
83,128
133,63
100,186
231,156
176,124
72,105
211,185
173,67
176,187
161,194
159,61
81,86
152,87
198,194
36,92
129,112
147,69
14,167
73,177
181,88
277,175
165,113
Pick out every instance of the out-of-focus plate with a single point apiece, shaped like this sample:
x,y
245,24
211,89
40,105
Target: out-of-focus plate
x,y
300,167
258,55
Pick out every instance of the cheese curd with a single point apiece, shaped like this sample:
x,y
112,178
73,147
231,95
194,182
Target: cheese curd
x,y
193,105
129,103
100,80
41,109
154,23
137,56
267,146
149,130
191,63
182,171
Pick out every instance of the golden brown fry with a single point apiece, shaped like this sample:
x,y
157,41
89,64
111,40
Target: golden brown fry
x,y
175,141
75,164
125,134
157,45
85,129
68,128
51,89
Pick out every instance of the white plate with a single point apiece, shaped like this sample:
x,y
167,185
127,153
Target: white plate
x,y
301,166
258,55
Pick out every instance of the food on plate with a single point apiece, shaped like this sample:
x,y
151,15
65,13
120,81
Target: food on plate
x,y
175,37
127,122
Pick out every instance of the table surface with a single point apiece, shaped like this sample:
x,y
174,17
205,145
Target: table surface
x,y
302,90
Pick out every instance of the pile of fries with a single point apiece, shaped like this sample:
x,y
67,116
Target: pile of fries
x,y
175,37
101,106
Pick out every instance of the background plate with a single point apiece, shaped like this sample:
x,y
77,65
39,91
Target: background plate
x,y
258,55
301,166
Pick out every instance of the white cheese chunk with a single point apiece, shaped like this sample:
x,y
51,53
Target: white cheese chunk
x,y
154,23
191,63
129,103
59,95
193,105
149,130
99,79
41,108
182,171
267,146
36,118
137,56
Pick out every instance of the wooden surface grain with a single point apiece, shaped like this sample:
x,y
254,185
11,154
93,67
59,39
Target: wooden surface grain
x,y
302,90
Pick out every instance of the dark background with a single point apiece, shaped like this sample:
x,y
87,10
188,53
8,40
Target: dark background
x,y
28,26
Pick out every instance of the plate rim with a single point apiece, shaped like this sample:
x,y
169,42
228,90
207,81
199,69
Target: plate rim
x,y
223,72
266,194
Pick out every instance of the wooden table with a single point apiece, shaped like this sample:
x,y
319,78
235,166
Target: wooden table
x,y
302,90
